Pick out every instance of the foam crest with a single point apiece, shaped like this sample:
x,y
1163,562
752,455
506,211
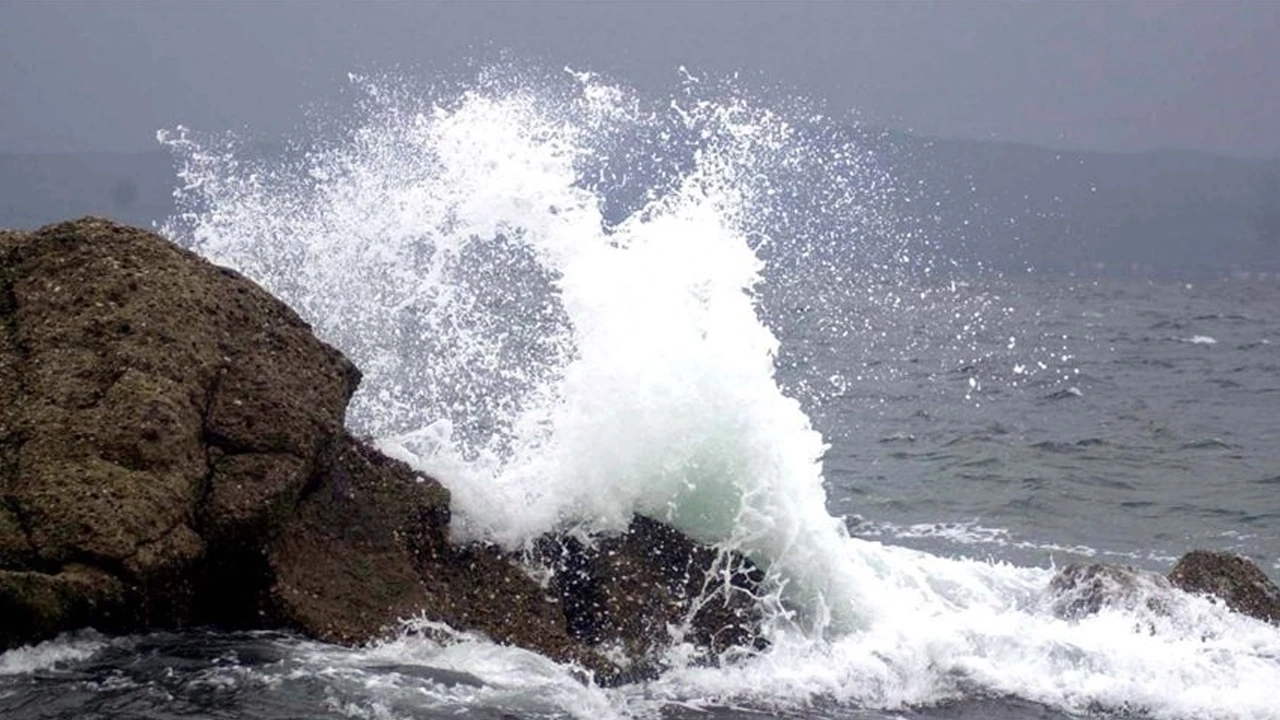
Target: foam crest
x,y
50,653
1198,663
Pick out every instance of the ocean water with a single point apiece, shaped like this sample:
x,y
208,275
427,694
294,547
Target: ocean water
x,y
573,303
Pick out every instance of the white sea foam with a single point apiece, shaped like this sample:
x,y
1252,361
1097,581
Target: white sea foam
x,y
49,654
451,674
551,285
974,533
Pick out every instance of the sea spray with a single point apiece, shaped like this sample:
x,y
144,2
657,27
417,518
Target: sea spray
x,y
553,287
554,367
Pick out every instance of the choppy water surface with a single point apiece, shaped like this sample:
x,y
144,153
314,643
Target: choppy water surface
x,y
1151,430
572,304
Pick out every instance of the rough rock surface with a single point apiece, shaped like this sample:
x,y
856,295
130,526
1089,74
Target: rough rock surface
x,y
1236,581
152,406
370,546
172,453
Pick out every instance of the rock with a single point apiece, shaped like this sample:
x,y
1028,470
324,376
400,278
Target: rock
x,y
172,453
139,385
1082,589
369,546
652,586
37,605
1235,580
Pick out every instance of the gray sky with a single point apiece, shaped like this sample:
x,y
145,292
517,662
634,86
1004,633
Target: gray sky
x,y
1090,75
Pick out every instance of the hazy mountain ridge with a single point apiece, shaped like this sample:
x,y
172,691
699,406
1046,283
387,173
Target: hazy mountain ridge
x,y
1010,207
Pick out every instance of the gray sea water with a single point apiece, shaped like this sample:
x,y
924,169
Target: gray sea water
x,y
1151,430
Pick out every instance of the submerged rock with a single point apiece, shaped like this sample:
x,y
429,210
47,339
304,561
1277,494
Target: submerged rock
x,y
1235,580
1079,590
172,453
1082,589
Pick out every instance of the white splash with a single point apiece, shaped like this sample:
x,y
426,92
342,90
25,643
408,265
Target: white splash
x,y
51,653
552,287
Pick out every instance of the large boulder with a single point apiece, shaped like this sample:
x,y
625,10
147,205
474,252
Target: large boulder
x,y
152,407
1233,579
172,453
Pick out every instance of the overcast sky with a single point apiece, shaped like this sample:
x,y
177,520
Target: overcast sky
x,y
96,75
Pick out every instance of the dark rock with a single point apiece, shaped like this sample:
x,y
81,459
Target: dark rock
x,y
651,586
1235,580
172,453
1082,589
369,545
41,604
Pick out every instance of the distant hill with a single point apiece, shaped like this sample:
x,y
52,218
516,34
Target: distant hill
x,y
1010,207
